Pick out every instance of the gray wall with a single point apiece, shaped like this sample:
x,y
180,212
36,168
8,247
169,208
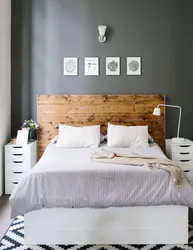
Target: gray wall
x,y
45,31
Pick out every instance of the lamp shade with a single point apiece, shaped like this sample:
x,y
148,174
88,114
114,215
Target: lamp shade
x,y
102,30
157,111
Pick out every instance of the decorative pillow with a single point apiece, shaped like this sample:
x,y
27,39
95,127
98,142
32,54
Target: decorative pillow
x,y
54,140
78,137
150,139
102,138
127,136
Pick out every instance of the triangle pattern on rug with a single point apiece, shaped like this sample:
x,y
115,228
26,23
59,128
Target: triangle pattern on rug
x,y
14,240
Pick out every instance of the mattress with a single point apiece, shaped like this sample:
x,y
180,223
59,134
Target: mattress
x,y
68,178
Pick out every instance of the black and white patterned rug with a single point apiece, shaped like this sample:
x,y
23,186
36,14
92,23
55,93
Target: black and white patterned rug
x,y
14,240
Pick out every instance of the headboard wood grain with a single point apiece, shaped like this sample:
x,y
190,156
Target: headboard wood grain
x,y
82,110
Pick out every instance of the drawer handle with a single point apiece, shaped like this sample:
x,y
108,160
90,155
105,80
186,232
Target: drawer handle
x,y
184,146
17,154
17,147
18,172
15,182
184,153
184,160
186,171
17,161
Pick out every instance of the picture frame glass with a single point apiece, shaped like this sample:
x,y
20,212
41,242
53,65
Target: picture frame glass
x,y
22,136
91,66
70,66
133,65
112,65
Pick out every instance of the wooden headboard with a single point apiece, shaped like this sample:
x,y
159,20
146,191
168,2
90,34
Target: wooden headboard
x,y
80,110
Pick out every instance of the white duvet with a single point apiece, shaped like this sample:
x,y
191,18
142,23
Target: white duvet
x,y
68,178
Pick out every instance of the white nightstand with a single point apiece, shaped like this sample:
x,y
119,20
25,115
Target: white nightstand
x,y
182,154
19,159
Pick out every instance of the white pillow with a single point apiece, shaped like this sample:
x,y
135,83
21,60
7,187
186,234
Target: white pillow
x,y
102,139
105,138
127,136
55,138
78,137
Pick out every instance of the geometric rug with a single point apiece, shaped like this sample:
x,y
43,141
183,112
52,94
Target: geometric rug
x,y
14,240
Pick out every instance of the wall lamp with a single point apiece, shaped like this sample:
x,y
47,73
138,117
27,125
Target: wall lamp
x,y
102,31
157,112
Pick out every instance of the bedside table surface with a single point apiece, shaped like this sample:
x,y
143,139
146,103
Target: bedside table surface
x,y
185,142
11,143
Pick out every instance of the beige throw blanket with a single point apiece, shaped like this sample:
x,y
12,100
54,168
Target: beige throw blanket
x,y
176,172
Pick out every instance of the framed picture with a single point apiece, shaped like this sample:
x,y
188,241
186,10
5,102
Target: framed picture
x,y
70,66
22,136
134,66
91,66
112,65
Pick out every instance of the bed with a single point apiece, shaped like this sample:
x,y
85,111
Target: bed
x,y
104,220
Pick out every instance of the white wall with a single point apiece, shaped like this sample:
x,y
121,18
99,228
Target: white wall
x,y
5,86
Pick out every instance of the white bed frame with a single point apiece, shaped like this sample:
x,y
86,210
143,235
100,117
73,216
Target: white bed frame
x,y
124,225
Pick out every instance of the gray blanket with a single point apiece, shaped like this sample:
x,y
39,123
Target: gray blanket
x,y
67,178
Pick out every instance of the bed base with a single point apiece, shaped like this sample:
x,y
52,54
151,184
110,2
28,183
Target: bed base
x,y
125,225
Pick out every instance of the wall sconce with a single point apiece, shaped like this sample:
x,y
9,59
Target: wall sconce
x,y
102,30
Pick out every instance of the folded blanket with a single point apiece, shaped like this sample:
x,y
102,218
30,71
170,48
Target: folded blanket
x,y
176,172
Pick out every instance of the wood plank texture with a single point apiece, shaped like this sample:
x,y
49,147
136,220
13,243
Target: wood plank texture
x,y
84,110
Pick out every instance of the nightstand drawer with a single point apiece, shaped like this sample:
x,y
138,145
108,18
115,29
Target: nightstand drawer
x,y
17,166
13,153
17,158
14,176
15,149
185,164
182,149
9,187
182,156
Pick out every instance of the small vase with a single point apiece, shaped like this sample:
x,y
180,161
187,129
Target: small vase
x,y
32,135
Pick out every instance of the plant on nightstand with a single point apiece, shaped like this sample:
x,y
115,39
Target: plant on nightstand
x,y
33,127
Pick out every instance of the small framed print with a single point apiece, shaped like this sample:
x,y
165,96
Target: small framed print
x,y
91,66
112,65
134,66
22,136
70,66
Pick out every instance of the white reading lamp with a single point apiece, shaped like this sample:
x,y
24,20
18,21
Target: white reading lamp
x,y
157,111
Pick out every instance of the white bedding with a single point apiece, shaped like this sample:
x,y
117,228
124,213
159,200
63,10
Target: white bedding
x,y
67,178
